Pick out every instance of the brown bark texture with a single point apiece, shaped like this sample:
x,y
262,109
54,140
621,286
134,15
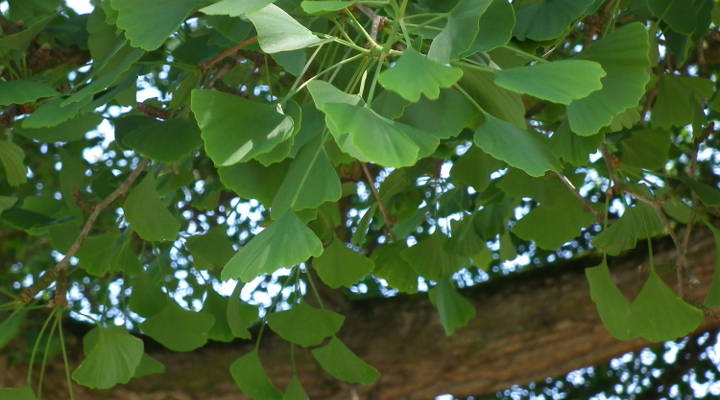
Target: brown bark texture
x,y
537,324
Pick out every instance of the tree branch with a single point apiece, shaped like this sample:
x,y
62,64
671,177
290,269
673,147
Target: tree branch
x,y
43,282
227,53
389,218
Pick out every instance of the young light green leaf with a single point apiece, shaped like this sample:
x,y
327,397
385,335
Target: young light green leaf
x,y
455,310
612,306
148,215
322,7
311,180
463,25
150,137
305,325
166,17
211,250
340,362
21,92
179,329
518,147
234,8
250,376
657,314
560,81
12,159
548,19
623,55
284,243
278,31
111,357
428,76
220,114
639,222
339,266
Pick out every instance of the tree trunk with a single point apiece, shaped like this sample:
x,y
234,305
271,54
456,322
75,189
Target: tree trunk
x,y
530,326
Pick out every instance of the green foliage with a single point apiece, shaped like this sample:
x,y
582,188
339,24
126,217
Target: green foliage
x,y
385,146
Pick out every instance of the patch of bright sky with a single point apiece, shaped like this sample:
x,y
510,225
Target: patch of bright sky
x,y
80,6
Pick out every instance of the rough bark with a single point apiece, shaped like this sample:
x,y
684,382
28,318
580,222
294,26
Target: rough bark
x,y
529,326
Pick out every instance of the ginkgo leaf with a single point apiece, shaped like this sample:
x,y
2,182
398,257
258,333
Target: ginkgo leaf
x,y
250,376
284,243
391,266
111,357
278,31
150,137
428,76
166,17
235,129
240,315
639,222
252,180
560,81
378,139
340,362
646,148
339,266
310,181
295,391
234,8
12,159
573,148
211,250
430,259
148,215
148,366
463,22
22,393
612,306
682,15
179,329
474,169
465,241
305,325
499,102
679,100
322,6
217,306
52,113
495,27
623,55
657,314
548,19
21,92
455,311
74,129
457,111
518,147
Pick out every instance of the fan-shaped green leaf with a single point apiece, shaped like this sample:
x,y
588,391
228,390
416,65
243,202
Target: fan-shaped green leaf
x,y
430,259
496,27
322,7
148,215
220,115
646,148
211,250
295,391
12,159
623,55
250,376
150,137
639,222
612,306
148,366
23,393
284,243
305,325
681,15
560,81
234,8
68,131
474,169
428,76
278,31
518,147
339,361
217,306
548,19
52,114
463,25
179,329
21,92
166,17
679,100
111,356
252,180
339,266
455,310
389,265
658,314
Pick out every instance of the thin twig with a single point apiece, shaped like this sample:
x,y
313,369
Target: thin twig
x,y
599,215
389,219
378,21
227,53
52,275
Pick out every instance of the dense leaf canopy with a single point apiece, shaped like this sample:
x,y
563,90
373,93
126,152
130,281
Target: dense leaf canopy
x,y
195,170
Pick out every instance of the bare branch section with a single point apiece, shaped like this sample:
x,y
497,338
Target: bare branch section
x,y
588,206
227,53
61,267
378,21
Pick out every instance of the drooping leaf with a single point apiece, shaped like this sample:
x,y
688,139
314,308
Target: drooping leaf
x,y
22,91
52,114
305,325
133,17
623,55
657,314
240,315
340,362
179,329
339,266
278,31
679,100
573,148
148,215
233,8
463,22
612,306
284,243
682,16
560,81
518,147
501,103
445,117
250,376
548,19
295,391
455,311
428,76
220,114
310,181
495,27
111,356
217,306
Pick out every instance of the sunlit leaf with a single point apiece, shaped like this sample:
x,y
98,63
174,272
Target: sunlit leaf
x,y
234,8
166,17
278,31
428,76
